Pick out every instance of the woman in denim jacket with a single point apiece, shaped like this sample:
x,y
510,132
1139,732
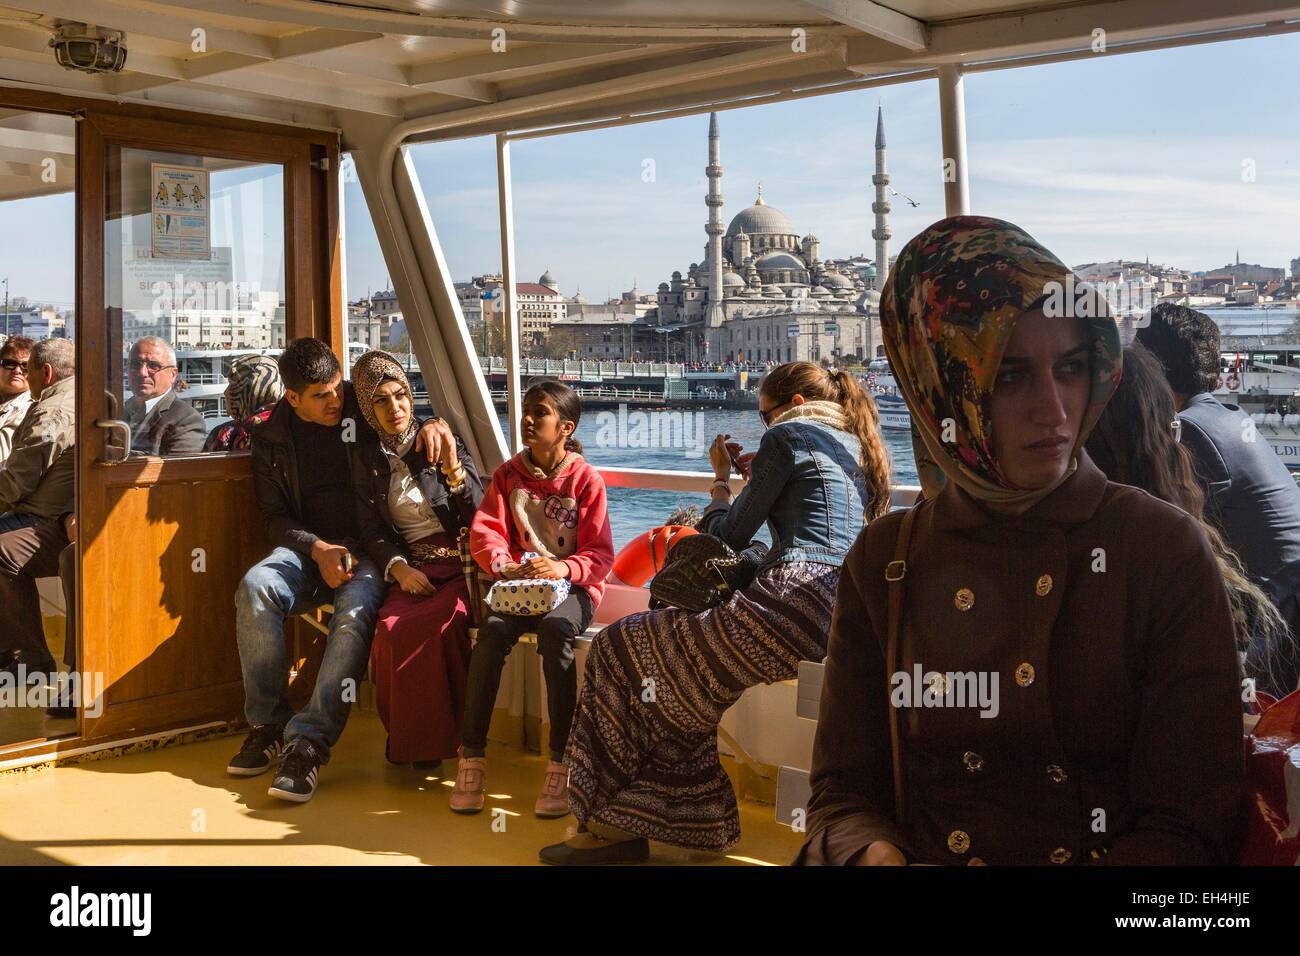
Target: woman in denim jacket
x,y
643,752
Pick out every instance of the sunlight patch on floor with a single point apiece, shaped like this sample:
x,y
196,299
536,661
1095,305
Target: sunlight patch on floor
x,y
177,805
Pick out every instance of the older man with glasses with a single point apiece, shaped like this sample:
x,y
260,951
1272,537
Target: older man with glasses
x,y
15,396
161,424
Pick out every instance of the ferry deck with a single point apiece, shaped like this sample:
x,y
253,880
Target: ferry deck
x,y
307,93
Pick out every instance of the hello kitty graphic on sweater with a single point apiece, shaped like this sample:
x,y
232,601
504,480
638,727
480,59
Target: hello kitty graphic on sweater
x,y
562,515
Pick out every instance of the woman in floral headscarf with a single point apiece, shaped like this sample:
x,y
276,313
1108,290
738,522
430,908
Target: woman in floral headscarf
x,y
410,514
1014,674
253,387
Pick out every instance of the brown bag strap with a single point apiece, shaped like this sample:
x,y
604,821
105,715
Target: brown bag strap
x,y
895,572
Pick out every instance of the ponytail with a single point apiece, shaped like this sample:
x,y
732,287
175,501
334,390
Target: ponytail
x,y
864,421
815,383
572,444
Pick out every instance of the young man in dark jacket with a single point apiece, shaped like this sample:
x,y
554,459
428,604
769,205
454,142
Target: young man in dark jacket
x,y
1249,494
302,461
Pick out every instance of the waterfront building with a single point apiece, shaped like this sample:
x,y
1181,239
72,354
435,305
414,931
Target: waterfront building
x,y
759,275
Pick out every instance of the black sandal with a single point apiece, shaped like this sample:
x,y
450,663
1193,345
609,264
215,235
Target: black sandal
x,y
616,852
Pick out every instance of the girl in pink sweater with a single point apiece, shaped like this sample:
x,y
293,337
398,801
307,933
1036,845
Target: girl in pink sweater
x,y
549,501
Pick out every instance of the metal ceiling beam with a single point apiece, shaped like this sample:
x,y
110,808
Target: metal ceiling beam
x,y
874,20
149,73
1068,29
358,17
488,64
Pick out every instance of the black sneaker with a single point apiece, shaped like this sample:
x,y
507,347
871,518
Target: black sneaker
x,y
298,774
261,747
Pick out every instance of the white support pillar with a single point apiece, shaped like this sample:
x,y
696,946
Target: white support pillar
x,y
952,119
430,307
508,292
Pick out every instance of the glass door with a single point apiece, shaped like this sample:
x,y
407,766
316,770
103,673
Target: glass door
x,y
201,245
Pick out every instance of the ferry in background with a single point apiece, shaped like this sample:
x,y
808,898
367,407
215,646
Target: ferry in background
x,y
203,377
1261,375
880,382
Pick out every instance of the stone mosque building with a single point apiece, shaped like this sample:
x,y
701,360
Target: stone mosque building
x,y
764,293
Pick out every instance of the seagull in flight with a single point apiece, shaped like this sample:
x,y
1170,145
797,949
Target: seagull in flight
x,y
895,192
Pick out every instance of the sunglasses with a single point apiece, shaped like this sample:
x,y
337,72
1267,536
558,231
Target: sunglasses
x,y
155,367
13,365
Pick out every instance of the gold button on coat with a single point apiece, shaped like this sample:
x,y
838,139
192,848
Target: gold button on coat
x,y
1056,774
1043,586
972,761
959,841
964,599
1060,855
1025,674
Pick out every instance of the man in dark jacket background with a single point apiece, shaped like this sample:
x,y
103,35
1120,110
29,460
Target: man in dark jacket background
x,y
302,481
1249,494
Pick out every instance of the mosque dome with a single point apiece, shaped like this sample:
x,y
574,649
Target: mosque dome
x,y
761,219
780,260
869,301
773,290
548,279
820,291
732,281
834,281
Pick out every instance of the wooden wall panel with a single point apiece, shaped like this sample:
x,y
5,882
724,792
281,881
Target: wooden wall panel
x,y
182,633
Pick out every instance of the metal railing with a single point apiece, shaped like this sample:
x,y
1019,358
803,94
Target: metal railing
x,y
585,369
701,482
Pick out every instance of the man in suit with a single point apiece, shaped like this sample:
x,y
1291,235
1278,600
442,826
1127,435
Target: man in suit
x,y
1249,495
161,424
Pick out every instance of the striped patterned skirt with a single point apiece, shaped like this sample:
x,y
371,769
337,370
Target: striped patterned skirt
x,y
643,752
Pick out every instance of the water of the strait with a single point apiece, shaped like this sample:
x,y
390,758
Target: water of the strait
x,y
679,441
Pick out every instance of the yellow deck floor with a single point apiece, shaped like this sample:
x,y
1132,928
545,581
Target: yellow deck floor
x,y
144,808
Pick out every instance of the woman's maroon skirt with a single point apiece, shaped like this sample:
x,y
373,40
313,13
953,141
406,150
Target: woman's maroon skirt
x,y
419,662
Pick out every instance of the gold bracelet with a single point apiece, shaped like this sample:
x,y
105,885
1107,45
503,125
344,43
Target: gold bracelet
x,y
456,478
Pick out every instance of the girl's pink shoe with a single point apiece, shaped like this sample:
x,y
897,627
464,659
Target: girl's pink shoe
x,y
553,801
467,795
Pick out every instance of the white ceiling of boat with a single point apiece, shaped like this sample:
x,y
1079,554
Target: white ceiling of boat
x,y
336,64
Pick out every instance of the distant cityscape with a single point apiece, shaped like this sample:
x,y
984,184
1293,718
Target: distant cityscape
x,y
761,293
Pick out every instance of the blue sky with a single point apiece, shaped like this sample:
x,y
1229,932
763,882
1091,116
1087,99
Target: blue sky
x,y
1126,156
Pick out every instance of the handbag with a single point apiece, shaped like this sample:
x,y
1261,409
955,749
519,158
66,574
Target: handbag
x,y
527,597
703,571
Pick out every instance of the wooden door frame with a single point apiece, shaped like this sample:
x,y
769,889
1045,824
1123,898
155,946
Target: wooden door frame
x,y
313,299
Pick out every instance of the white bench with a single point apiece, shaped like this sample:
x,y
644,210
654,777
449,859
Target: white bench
x,y
793,786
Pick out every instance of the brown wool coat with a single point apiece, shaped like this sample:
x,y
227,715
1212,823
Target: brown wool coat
x,y
1128,718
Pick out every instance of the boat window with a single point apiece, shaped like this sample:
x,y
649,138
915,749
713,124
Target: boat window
x,y
41,685
1111,171
613,274
194,284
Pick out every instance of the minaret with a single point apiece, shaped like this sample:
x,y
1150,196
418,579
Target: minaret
x,y
714,228
881,206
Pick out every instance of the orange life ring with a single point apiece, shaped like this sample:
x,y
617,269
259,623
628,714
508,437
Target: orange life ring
x,y
643,557
1233,382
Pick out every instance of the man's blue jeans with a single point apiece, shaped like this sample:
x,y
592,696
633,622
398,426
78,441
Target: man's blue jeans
x,y
283,584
